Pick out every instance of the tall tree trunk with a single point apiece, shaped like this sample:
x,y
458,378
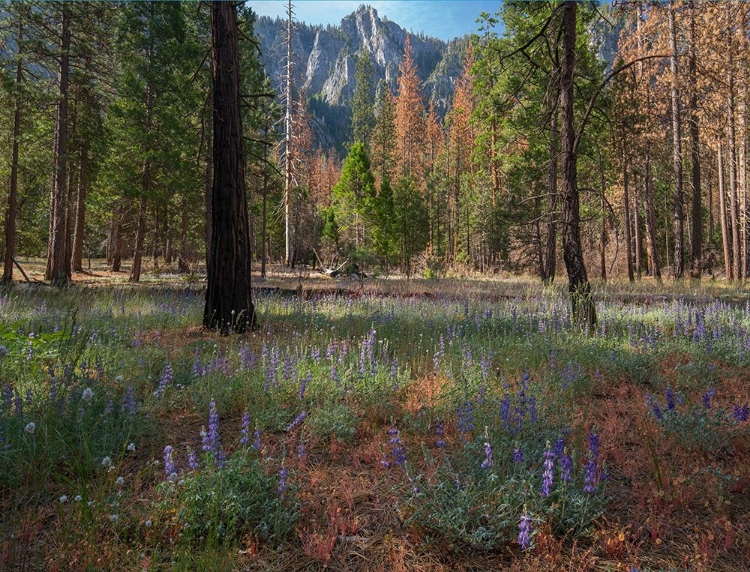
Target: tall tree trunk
x,y
56,259
584,311
695,161
648,199
679,222
117,240
135,272
182,263
626,204
723,215
734,222
208,196
288,147
637,234
80,210
551,250
11,212
229,306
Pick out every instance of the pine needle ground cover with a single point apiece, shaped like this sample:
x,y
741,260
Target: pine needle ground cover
x,y
399,426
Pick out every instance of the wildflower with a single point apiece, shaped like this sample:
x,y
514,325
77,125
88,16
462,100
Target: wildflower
x,y
114,518
487,463
7,396
3,352
397,451
566,467
440,432
591,478
547,476
164,380
283,484
131,447
303,385
87,395
64,498
120,481
301,451
108,464
297,420
670,398
256,440
148,523
77,498
192,460
245,431
710,392
524,532
170,469
211,443
741,414
517,455
30,427
129,404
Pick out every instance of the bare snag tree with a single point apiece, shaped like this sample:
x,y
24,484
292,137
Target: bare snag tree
x,y
229,307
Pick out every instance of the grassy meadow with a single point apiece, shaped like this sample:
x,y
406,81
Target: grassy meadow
x,y
454,424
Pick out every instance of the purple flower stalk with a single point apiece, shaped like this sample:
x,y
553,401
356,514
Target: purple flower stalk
x,y
487,463
129,404
256,440
669,397
741,414
283,483
297,420
710,392
440,432
591,479
524,532
566,467
517,455
164,380
303,385
245,430
398,452
211,442
547,476
301,451
192,460
170,469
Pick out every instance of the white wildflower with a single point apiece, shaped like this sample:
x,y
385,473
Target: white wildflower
x,y
64,498
30,427
108,464
87,395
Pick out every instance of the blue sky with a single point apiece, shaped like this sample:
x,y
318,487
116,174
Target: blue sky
x,y
445,19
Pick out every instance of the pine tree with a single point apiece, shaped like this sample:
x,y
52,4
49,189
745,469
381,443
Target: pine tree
x,y
409,118
363,116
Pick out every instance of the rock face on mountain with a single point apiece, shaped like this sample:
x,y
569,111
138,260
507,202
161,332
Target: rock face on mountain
x,y
326,61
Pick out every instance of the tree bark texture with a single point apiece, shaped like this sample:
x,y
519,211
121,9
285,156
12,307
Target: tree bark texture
x,y
229,306
679,220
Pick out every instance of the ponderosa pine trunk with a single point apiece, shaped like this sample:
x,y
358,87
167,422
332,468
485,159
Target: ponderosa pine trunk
x,y
679,219
696,244
725,240
582,302
229,306
117,241
11,212
551,246
57,248
182,262
626,204
135,271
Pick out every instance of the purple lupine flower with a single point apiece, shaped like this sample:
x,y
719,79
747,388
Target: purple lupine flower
x,y
566,467
532,410
170,469
297,420
283,483
741,414
164,380
591,479
303,385
211,442
247,359
517,455
129,404
707,396
547,476
192,459
19,406
301,451
256,440
7,396
505,412
397,451
197,368
524,532
335,375
440,432
245,430
465,419
488,462
559,447
670,398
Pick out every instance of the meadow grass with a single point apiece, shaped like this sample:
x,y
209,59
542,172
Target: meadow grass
x,y
388,424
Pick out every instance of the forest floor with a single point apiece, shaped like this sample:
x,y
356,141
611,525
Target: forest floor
x,y
384,424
